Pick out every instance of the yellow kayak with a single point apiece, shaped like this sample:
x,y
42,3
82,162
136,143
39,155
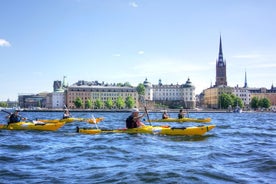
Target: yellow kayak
x,y
32,126
182,120
159,130
70,120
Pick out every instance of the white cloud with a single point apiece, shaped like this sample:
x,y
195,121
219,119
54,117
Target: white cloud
x,y
4,43
133,4
141,52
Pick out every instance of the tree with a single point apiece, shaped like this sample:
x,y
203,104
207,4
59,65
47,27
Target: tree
x,y
127,84
120,103
88,104
237,101
265,103
98,104
225,101
78,102
130,102
254,102
141,89
109,103
3,104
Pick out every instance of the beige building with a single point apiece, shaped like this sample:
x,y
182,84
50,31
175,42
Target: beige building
x,y
94,90
264,93
211,95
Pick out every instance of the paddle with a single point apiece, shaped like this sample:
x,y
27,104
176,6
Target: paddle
x,y
94,121
67,115
187,113
147,115
11,114
6,111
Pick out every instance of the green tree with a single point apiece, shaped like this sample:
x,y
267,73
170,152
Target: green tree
x,y
254,103
141,89
127,84
225,101
130,102
3,104
237,101
78,102
265,103
120,103
88,104
98,104
109,103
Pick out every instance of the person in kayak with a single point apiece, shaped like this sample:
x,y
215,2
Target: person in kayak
x,y
133,121
165,115
15,117
66,114
181,114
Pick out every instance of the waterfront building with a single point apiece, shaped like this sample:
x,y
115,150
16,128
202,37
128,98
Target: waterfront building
x,y
32,101
170,94
243,93
56,99
211,95
264,93
94,90
58,95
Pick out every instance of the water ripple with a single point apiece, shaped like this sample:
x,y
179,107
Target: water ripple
x,y
241,149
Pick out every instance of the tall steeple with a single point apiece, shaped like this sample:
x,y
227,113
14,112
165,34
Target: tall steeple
x,y
245,81
220,67
220,56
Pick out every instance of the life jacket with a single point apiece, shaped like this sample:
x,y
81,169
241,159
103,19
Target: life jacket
x,y
14,119
180,116
130,123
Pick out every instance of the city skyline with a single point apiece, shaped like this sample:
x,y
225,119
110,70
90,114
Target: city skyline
x,y
129,41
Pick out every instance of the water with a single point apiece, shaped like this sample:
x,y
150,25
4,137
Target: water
x,y
241,149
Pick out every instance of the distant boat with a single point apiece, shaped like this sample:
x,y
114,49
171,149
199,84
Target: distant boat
x,y
237,110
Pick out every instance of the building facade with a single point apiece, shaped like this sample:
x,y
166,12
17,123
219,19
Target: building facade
x,y
98,91
32,101
211,95
264,93
170,94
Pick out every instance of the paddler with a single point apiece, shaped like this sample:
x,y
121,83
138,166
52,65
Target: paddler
x,y
134,120
15,117
165,115
181,114
66,114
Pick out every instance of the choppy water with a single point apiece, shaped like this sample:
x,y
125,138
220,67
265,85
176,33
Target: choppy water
x,y
241,149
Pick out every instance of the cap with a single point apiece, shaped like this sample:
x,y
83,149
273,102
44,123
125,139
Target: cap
x,y
135,110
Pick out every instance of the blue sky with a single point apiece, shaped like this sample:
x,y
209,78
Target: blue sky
x,y
128,41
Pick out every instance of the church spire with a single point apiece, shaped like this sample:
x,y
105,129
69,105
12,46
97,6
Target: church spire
x,y
245,81
220,67
220,58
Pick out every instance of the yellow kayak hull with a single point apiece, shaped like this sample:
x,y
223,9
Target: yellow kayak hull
x,y
70,120
32,126
182,120
159,130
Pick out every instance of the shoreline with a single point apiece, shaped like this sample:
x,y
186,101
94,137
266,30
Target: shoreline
x,y
141,110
